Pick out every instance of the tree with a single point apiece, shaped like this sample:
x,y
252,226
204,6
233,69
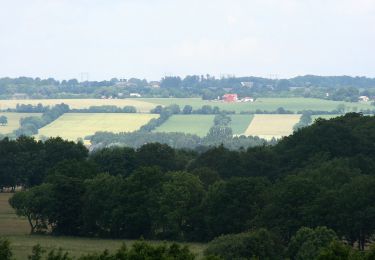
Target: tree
x,y
103,211
337,250
115,161
259,244
179,200
307,243
187,109
3,120
35,204
155,154
243,199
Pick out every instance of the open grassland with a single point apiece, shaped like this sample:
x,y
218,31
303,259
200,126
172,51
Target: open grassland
x,y
268,126
16,230
72,126
240,123
271,104
13,121
189,124
10,224
142,106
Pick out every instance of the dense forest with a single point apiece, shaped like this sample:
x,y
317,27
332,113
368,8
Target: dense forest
x,y
205,86
315,186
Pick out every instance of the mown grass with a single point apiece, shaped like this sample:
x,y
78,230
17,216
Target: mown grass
x,y
189,124
72,126
142,106
13,121
271,104
16,229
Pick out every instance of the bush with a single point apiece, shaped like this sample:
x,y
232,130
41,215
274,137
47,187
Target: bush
x,y
307,242
5,251
259,243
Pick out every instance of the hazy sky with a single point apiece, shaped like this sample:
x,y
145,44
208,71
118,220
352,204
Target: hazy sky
x,y
154,38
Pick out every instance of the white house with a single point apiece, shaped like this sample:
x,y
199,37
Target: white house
x,y
135,95
364,98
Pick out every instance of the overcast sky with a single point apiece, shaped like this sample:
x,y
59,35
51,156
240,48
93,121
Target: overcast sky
x,y
153,38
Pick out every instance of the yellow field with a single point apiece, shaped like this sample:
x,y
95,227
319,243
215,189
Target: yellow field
x,y
142,106
72,126
13,121
268,126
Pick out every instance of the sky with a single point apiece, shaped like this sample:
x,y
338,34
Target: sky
x,y
102,39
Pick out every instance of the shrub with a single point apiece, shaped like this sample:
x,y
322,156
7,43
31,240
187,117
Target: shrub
x,y
259,243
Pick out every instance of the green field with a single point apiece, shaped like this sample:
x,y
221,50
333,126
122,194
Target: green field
x,y
240,123
294,104
142,106
189,124
72,126
16,230
13,121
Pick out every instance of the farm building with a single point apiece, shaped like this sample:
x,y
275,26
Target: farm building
x,y
364,98
230,97
247,99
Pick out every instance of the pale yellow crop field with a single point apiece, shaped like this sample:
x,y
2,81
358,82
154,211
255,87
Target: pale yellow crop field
x,y
13,121
269,126
72,126
142,106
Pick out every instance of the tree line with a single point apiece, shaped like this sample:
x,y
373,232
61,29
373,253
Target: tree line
x,y
322,175
206,86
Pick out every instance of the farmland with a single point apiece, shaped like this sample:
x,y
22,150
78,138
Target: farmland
x,y
142,106
271,104
268,126
240,123
190,124
16,229
72,126
13,121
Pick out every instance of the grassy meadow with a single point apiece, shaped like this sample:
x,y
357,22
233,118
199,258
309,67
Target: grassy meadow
x,y
72,126
268,126
190,124
13,121
16,229
142,106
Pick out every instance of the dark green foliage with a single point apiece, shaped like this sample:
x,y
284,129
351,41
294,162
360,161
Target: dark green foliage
x,y
257,244
58,255
323,175
115,161
5,250
307,243
178,212
106,109
339,251
230,206
37,253
143,251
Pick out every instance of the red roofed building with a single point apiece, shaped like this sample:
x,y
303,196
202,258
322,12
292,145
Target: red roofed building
x,y
230,97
